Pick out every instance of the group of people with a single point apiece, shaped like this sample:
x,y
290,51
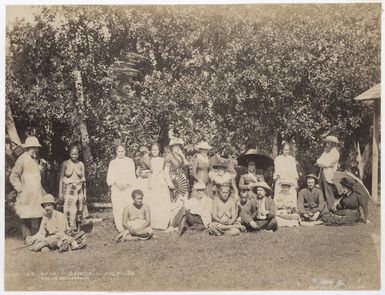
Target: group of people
x,y
158,193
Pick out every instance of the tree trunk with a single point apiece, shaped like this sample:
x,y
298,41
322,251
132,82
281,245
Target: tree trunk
x,y
82,125
10,126
276,144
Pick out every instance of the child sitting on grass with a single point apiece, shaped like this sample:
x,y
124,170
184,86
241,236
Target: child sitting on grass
x,y
225,214
136,220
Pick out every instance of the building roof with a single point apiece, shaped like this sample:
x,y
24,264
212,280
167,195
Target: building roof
x,y
373,93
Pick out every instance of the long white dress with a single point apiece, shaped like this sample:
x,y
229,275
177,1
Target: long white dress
x,y
158,195
121,171
286,203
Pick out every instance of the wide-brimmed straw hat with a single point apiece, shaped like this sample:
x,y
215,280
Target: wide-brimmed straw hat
x,y
48,199
203,145
312,176
263,184
286,182
331,138
175,141
346,182
31,141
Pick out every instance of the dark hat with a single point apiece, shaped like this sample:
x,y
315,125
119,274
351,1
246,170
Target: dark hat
x,y
220,163
312,176
347,183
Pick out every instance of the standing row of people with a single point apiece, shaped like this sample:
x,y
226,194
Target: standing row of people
x,y
163,185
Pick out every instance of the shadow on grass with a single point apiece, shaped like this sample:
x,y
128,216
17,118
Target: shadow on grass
x,y
302,258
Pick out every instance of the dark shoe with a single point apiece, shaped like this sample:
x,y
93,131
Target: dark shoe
x,y
144,236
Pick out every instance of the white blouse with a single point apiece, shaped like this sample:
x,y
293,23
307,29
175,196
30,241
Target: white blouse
x,y
121,171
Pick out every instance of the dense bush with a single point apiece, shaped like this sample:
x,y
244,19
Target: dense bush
x,y
246,74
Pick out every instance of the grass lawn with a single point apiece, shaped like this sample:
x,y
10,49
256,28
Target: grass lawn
x,y
302,258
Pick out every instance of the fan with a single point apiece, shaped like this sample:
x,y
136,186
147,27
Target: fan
x,y
180,183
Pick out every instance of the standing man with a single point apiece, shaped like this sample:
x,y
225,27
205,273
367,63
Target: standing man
x,y
26,179
311,203
328,162
259,213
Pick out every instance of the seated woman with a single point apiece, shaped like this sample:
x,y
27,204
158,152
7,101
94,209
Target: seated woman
x,y
251,176
225,214
136,220
286,204
347,210
219,176
196,212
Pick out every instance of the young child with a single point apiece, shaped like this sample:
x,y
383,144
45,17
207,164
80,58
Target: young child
x,y
244,196
136,220
225,214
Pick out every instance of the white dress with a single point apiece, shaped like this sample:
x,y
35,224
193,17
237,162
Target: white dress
x,y
158,195
286,170
121,171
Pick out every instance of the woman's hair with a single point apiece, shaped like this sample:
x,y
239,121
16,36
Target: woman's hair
x,y
137,192
119,144
74,146
225,152
284,144
155,143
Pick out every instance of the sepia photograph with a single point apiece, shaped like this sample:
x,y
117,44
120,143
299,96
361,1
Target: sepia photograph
x,y
210,147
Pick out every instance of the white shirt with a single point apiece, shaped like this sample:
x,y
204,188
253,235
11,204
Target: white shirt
x,y
329,162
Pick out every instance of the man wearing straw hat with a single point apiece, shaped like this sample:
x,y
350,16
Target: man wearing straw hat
x,y
52,227
259,213
26,179
328,162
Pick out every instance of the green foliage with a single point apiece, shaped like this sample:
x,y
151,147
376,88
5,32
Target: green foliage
x,y
237,74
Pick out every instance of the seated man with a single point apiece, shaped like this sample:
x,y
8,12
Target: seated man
x,y
52,229
224,215
286,203
136,220
196,212
311,202
351,202
259,213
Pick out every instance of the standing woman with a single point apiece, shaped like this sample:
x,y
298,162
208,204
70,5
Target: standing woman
x,y
176,169
72,187
328,162
201,166
26,179
285,170
121,180
158,198
247,179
